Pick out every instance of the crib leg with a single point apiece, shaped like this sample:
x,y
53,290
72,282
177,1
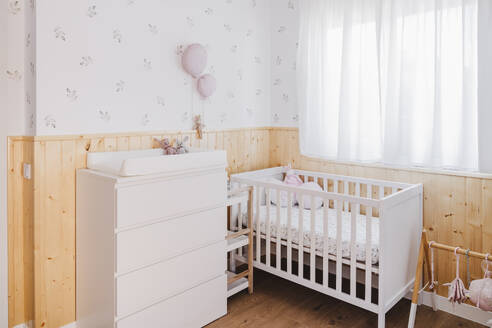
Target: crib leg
x,y
381,320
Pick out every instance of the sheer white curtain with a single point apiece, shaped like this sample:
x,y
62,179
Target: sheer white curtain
x,y
391,81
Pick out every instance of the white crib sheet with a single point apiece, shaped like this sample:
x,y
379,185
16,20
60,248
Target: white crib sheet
x,y
332,230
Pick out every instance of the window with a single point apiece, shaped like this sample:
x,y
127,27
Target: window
x,y
391,81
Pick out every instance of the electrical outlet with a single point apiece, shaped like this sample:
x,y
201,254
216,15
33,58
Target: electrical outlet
x,y
27,171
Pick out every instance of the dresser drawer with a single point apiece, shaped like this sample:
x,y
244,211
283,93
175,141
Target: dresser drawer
x,y
194,308
138,204
149,244
152,284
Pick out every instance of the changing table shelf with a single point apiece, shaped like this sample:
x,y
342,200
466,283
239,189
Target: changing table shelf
x,y
236,242
236,286
237,238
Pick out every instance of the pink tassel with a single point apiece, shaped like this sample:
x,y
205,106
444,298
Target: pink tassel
x,y
457,290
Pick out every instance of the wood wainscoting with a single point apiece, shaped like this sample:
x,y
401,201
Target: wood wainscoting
x,y
41,222
41,219
20,225
457,208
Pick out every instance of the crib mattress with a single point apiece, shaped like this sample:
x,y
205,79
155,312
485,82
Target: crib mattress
x,y
318,233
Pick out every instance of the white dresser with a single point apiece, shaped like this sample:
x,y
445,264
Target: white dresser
x,y
151,249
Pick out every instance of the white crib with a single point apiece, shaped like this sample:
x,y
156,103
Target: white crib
x,y
389,214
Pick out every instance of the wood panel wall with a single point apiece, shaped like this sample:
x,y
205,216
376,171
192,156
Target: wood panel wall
x,y
457,209
42,210
20,233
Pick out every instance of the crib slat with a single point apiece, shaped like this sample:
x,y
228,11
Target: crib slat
x,y
335,186
258,227
268,204
339,205
368,251
278,239
346,192
312,248
381,191
289,232
368,279
325,184
300,250
240,225
353,248
325,243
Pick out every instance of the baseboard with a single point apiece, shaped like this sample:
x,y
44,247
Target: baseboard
x,y
29,324
464,311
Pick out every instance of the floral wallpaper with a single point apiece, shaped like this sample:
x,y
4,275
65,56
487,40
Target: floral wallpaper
x,y
284,31
113,66
18,68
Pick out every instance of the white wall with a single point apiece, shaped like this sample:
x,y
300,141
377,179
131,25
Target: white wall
x,y
284,24
83,80
92,74
3,170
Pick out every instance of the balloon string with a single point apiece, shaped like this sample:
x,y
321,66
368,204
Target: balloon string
x,y
192,99
203,112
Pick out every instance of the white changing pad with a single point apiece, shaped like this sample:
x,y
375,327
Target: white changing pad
x,y
152,161
319,238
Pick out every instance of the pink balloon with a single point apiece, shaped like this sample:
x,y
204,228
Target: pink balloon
x,y
207,85
194,60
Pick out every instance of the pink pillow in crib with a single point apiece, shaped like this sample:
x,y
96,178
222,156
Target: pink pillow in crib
x,y
307,198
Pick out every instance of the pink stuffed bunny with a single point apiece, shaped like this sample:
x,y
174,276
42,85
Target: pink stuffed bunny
x,y
292,179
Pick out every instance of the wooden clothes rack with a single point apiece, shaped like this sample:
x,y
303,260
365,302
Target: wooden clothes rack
x,y
424,254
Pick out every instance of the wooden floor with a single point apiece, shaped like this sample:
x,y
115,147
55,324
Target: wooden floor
x,y
278,303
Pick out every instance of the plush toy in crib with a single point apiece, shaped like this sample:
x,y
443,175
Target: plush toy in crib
x,y
292,179
181,147
306,200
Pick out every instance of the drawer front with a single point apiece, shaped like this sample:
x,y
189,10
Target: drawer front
x,y
155,200
152,284
194,308
149,244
